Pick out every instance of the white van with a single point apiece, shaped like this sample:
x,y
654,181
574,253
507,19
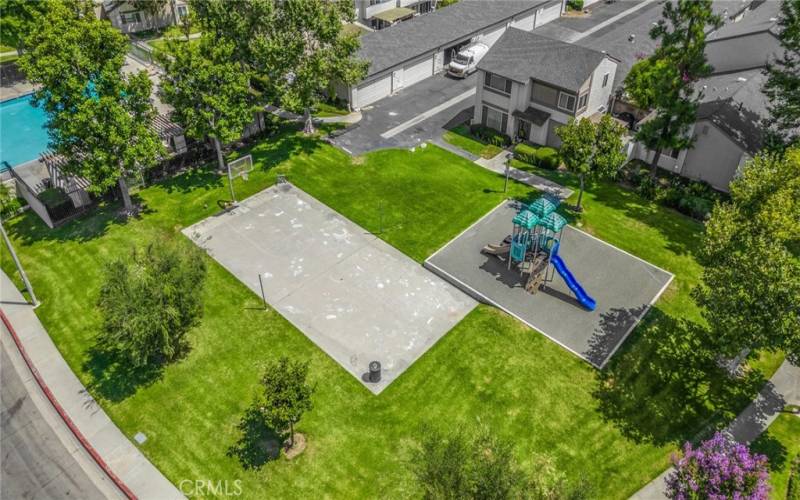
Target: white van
x,y
466,60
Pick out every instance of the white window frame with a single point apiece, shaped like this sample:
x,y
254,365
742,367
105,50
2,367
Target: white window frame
x,y
583,98
605,79
488,83
568,97
136,14
183,11
499,116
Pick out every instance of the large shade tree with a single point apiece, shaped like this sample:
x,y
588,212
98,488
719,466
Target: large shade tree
x,y
666,81
21,17
99,120
208,90
751,255
783,83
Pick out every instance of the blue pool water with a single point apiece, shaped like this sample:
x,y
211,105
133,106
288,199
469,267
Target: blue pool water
x,y
22,133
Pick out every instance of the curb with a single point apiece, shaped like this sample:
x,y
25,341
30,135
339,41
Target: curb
x,y
60,410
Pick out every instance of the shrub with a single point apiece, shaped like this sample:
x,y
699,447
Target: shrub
x,y
525,153
719,468
648,188
490,136
575,4
150,300
547,157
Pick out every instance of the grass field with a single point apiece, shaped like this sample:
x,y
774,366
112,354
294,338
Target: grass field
x,y
461,138
781,444
617,432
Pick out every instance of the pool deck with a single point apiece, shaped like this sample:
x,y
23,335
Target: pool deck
x,y
13,89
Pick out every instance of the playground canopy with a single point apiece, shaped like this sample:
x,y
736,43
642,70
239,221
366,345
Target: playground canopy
x,y
526,219
543,207
553,222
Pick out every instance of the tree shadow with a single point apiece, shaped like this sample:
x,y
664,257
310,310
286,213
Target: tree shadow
x,y
116,379
776,452
610,331
257,443
666,386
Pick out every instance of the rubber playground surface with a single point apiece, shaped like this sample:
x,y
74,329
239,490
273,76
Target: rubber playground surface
x,y
623,286
355,296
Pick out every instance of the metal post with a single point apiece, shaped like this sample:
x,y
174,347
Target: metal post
x,y
263,296
22,274
508,171
230,181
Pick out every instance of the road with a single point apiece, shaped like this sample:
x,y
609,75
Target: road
x,y
35,461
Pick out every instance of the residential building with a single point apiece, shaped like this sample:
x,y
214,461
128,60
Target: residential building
x,y
126,17
412,51
380,14
529,85
728,130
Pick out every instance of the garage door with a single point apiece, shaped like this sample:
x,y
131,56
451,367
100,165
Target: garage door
x,y
416,72
492,36
547,14
373,91
553,140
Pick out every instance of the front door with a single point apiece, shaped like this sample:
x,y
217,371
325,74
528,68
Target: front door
x,y
523,130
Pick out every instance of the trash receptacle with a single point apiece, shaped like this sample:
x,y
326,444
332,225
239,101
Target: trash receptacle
x,y
374,371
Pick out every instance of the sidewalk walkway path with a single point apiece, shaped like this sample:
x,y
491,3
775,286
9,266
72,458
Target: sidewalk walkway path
x,y
121,456
498,164
782,389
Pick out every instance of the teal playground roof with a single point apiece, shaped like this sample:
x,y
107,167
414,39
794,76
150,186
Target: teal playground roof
x,y
553,222
526,219
543,207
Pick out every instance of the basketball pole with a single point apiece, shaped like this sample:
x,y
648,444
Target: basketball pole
x,y
230,182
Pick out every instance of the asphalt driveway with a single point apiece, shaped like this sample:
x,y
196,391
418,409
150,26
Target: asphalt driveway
x,y
412,116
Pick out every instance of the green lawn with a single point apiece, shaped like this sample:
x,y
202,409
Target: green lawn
x,y
8,58
460,137
161,43
781,444
324,109
489,367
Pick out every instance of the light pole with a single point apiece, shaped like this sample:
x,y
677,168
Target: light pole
x,y
22,274
509,155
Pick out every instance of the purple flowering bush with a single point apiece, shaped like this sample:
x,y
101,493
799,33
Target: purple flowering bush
x,y
718,469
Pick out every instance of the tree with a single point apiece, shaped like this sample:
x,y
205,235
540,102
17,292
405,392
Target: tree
x,y
207,89
719,468
307,52
99,120
478,465
783,83
666,82
577,146
150,300
750,290
21,17
287,394
592,149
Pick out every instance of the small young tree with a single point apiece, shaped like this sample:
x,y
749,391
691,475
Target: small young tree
x,y
719,468
666,83
783,83
150,300
577,148
608,148
287,394
208,90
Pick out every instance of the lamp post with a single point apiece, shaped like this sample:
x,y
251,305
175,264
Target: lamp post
x,y
19,266
509,155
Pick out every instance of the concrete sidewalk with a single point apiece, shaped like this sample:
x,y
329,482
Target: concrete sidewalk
x,y
781,390
498,164
121,456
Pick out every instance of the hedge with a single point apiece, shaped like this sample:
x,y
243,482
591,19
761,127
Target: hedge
x,y
543,157
575,4
490,136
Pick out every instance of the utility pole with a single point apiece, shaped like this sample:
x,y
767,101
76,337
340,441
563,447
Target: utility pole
x,y
22,274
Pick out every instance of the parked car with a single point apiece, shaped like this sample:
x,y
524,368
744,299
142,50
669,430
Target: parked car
x,y
465,61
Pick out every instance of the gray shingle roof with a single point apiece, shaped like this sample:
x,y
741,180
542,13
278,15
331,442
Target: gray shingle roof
x,y
761,17
521,55
405,41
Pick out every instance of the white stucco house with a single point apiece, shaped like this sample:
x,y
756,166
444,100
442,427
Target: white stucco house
x,y
529,85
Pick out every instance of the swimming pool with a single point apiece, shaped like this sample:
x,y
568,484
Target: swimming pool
x,y
22,133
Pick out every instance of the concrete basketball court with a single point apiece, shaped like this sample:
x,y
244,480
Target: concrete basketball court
x,y
624,286
355,296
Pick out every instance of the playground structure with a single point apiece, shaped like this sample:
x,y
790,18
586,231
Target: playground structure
x,y
533,248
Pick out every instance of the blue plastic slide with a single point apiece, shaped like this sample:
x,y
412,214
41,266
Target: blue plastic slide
x,y
583,297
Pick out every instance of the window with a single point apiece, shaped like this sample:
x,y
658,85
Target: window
x,y
183,10
605,79
494,118
566,101
673,153
498,83
582,100
130,17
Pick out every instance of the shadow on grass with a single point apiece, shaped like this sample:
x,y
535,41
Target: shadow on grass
x,y
257,444
775,451
665,385
115,379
